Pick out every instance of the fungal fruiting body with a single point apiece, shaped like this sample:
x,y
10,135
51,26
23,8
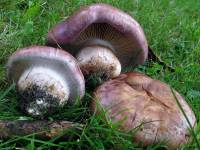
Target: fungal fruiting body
x,y
147,106
46,78
114,36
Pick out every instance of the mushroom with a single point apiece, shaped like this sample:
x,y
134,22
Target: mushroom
x,y
102,38
147,105
46,78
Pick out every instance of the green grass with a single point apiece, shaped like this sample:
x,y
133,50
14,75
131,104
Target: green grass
x,y
173,32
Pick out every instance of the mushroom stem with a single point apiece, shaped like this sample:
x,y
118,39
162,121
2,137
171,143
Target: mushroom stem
x,y
96,57
41,90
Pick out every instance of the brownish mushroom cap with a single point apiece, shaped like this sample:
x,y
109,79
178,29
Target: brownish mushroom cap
x,y
140,100
46,77
105,26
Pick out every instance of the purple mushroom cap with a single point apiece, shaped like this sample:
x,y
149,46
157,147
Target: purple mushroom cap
x,y
46,77
102,21
146,105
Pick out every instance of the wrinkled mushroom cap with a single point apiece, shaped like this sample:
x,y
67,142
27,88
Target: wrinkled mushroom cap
x,y
47,57
115,28
141,100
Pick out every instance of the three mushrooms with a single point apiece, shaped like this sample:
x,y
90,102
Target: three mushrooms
x,y
103,39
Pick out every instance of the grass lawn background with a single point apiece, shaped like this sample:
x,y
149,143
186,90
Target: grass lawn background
x,y
172,29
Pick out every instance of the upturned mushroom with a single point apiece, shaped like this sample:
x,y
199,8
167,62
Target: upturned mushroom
x,y
147,105
102,38
46,78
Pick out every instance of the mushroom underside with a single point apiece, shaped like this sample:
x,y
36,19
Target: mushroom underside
x,y
46,79
124,47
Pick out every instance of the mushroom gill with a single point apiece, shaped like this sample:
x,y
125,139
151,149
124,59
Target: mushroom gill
x,y
107,36
105,30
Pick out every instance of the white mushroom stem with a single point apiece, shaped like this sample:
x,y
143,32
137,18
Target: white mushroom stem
x,y
48,83
99,60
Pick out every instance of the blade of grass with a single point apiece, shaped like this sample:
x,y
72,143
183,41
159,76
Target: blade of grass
x,y
7,91
188,121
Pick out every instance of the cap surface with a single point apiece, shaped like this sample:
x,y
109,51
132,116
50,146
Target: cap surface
x,y
141,100
47,57
102,21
